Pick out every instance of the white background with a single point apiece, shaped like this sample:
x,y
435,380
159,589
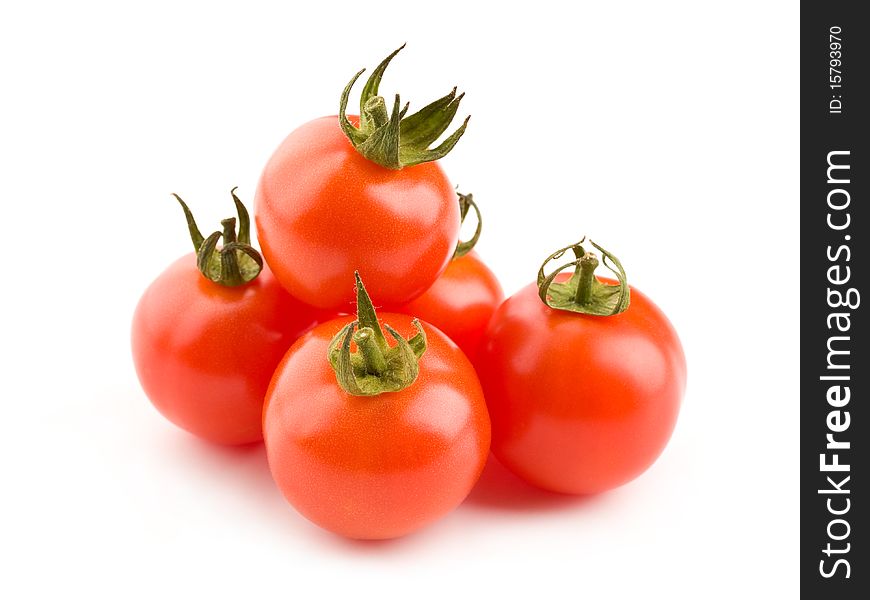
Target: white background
x,y
666,130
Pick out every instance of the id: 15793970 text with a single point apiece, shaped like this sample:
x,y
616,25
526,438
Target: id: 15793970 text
x,y
835,69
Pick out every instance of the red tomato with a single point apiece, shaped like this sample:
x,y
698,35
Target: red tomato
x,y
205,353
460,303
580,404
374,467
323,211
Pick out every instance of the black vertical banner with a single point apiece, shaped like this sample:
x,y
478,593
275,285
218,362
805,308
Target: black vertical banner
x,y
835,341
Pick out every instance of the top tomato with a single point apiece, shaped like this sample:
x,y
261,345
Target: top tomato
x,y
343,194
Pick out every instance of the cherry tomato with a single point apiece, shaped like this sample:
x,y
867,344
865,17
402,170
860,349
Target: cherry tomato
x,y
361,193
205,353
460,302
374,467
209,331
323,211
579,403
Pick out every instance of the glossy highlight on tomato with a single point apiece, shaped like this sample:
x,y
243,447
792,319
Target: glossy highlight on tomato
x,y
580,404
205,353
375,467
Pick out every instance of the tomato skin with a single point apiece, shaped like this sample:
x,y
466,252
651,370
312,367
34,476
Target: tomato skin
x,y
205,353
460,302
322,211
580,404
381,466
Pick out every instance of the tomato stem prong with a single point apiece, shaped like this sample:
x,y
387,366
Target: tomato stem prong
x,y
244,219
466,201
195,235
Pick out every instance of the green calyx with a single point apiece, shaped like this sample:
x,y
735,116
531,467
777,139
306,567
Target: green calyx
x,y
466,201
375,367
388,137
583,292
236,262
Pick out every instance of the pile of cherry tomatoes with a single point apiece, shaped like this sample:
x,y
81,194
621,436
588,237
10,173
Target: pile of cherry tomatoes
x,y
374,352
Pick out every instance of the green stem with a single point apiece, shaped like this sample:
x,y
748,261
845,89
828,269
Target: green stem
x,y
230,272
229,233
370,350
236,262
376,110
586,266
376,367
391,139
583,292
